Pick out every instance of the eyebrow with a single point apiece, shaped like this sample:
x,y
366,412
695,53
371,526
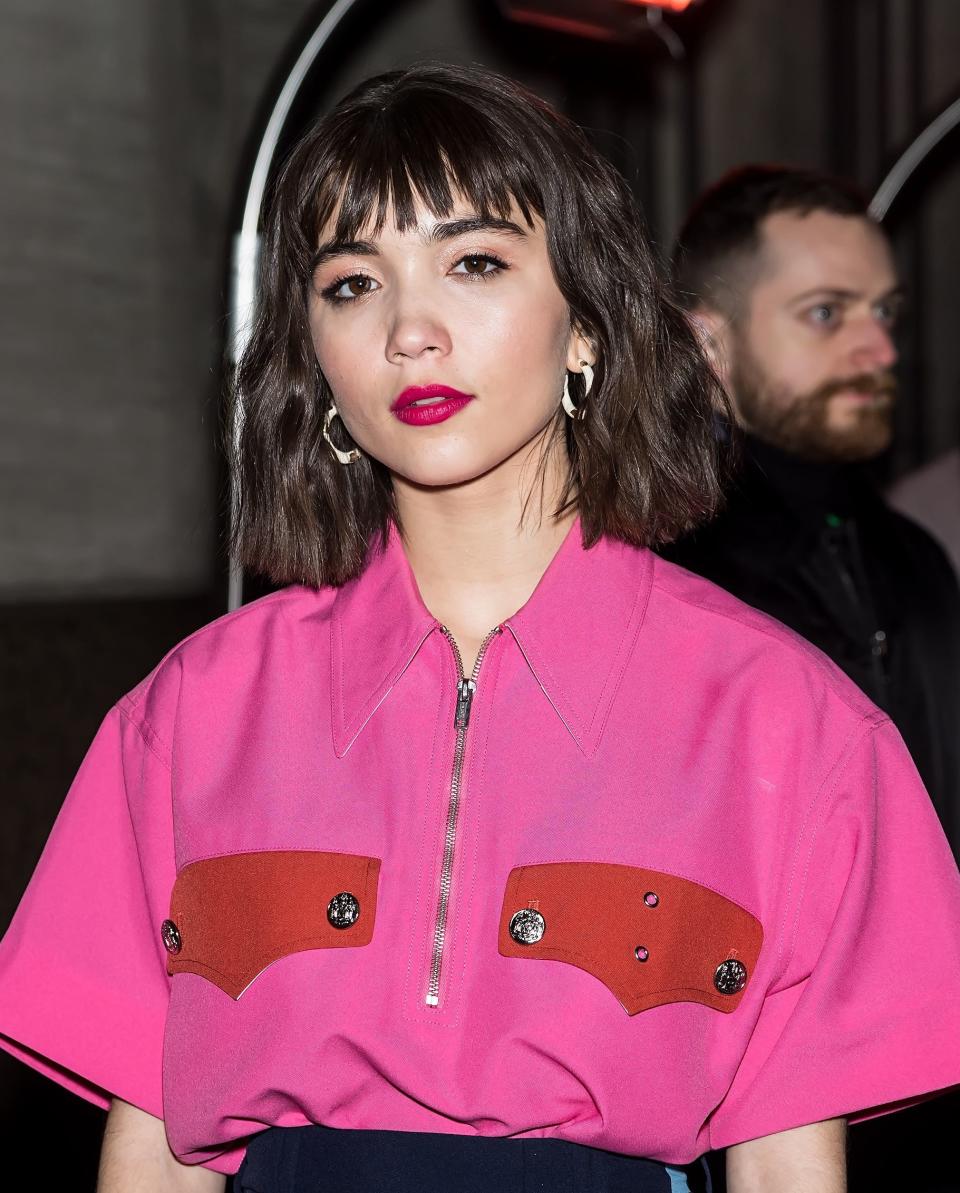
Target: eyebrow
x,y
842,295
448,230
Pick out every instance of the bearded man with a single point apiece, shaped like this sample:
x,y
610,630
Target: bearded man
x,y
794,290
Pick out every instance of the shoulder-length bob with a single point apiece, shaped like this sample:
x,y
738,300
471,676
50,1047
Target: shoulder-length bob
x,y
645,461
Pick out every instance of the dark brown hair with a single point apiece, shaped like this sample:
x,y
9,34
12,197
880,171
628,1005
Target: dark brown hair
x,y
644,463
721,235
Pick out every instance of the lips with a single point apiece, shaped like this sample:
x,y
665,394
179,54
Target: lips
x,y
424,405
422,395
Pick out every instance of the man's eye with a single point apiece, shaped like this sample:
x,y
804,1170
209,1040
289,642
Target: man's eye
x,y
824,314
346,289
887,313
479,265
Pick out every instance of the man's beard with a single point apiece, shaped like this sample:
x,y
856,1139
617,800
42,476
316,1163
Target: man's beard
x,y
799,423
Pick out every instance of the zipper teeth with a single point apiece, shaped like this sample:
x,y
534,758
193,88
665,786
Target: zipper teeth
x,y
453,808
861,598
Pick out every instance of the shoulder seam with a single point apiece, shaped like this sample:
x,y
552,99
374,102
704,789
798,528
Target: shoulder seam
x,y
814,818
133,696
795,648
271,598
148,735
132,699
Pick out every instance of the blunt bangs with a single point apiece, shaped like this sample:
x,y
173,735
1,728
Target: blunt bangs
x,y
644,464
395,146
383,159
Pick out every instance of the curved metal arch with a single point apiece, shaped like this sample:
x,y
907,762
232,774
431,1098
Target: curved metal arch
x,y
245,251
912,157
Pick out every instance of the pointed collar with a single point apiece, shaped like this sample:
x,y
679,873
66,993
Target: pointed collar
x,y
576,633
377,625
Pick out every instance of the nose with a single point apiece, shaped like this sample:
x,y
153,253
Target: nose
x,y
875,348
415,331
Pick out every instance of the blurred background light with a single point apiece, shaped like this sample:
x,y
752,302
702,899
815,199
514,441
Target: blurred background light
x,y
670,5
602,20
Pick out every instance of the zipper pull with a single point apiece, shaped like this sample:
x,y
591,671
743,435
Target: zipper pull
x,y
465,690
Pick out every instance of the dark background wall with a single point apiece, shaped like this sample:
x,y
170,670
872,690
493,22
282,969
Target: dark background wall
x,y
125,130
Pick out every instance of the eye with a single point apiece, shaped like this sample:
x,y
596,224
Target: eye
x,y
888,313
479,265
824,314
357,285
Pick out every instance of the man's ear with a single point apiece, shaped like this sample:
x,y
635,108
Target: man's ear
x,y
712,330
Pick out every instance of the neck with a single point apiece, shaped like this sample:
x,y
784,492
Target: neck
x,y
475,554
813,485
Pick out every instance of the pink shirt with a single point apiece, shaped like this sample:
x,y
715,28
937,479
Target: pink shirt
x,y
649,767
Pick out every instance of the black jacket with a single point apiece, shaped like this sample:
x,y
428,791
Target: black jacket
x,y
815,546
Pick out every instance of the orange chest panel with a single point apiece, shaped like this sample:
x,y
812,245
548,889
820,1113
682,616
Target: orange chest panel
x,y
233,916
651,938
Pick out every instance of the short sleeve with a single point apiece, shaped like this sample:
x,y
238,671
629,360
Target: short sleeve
x,y
867,1013
83,983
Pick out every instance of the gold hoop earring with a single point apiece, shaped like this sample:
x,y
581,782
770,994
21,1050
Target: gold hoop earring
x,y
348,457
577,412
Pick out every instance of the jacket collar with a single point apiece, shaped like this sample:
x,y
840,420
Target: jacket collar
x,y
576,633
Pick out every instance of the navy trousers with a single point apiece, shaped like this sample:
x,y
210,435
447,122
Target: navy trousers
x,y
324,1160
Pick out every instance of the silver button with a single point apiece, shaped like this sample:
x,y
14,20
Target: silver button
x,y
343,910
731,976
170,935
651,899
527,926
641,953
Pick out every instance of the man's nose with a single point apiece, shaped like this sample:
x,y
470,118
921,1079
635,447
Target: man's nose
x,y
875,348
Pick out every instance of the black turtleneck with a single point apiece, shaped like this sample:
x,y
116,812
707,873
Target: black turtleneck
x,y
814,545
808,488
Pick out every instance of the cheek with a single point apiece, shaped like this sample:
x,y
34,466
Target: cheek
x,y
323,346
523,345
344,354
331,350
790,359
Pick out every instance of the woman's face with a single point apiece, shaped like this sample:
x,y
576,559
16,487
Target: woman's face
x,y
445,346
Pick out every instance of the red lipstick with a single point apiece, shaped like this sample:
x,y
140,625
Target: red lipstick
x,y
424,405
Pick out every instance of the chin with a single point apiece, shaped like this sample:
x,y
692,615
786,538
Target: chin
x,y
442,474
853,444
464,461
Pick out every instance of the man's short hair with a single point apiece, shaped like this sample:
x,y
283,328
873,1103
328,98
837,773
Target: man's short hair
x,y
721,235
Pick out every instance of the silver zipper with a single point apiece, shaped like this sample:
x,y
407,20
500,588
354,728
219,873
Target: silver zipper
x,y
466,690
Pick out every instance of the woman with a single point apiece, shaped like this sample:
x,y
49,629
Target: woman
x,y
492,824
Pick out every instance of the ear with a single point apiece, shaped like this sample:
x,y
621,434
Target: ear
x,y
580,350
712,330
